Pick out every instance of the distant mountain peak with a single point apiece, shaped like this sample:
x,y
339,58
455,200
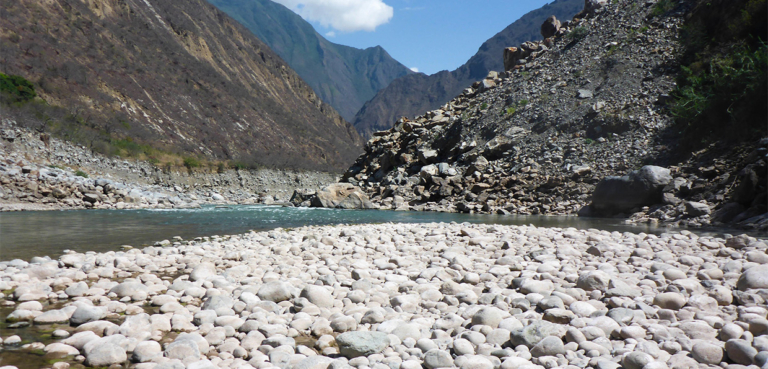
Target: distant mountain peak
x,y
344,77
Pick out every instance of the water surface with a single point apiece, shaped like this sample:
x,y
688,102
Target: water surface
x,y
38,233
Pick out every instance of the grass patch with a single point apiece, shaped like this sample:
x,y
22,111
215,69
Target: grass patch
x,y
80,173
483,106
512,109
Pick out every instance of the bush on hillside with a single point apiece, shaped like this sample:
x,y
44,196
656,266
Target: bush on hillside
x,y
17,88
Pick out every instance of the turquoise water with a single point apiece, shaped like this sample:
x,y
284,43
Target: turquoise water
x,y
27,234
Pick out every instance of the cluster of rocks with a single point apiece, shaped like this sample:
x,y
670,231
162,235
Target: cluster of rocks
x,y
402,296
333,196
38,172
587,102
733,197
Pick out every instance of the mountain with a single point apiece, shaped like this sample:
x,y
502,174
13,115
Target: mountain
x,y
343,76
178,76
414,94
654,113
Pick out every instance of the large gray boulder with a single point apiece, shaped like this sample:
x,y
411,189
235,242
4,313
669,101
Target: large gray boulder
x,y
341,196
614,195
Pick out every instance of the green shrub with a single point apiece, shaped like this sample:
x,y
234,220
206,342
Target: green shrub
x,y
19,89
80,173
483,106
589,141
662,7
577,33
511,110
191,162
711,91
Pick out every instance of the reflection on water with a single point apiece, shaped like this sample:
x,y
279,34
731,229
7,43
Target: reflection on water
x,y
27,234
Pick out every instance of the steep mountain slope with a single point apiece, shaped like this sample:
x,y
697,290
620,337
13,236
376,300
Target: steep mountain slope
x,y
180,76
600,99
415,94
344,77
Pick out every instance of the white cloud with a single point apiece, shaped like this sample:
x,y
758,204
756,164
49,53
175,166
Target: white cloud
x,y
330,34
343,15
415,69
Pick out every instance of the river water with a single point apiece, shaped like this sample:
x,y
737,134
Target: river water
x,y
39,233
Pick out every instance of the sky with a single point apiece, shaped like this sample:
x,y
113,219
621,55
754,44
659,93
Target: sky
x,y
425,35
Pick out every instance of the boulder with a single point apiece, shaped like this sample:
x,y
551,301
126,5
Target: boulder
x,y
302,195
614,195
550,27
341,196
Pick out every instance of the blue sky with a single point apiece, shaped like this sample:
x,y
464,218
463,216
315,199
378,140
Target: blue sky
x,y
430,35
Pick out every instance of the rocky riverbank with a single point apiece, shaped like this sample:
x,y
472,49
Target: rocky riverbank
x,y
400,296
43,173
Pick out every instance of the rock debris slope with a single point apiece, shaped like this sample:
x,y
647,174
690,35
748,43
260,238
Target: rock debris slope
x,y
179,76
403,296
586,103
416,93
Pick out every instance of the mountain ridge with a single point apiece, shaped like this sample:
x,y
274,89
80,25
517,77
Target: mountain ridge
x,y
343,76
185,79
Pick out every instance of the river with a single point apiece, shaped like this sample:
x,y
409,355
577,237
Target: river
x,y
24,235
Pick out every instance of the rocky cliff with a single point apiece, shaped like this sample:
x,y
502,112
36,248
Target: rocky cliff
x,y
178,76
344,77
416,93
594,100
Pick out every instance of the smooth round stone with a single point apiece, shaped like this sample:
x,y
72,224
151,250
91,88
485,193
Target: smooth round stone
x,y
474,362
674,274
754,277
106,355
313,362
318,295
276,291
426,344
582,308
515,363
758,327
86,314
490,316
551,302
636,360
634,332
707,353
622,316
740,351
60,333
463,347
593,280
146,351
52,316
62,349
549,346
437,359
354,344
669,300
